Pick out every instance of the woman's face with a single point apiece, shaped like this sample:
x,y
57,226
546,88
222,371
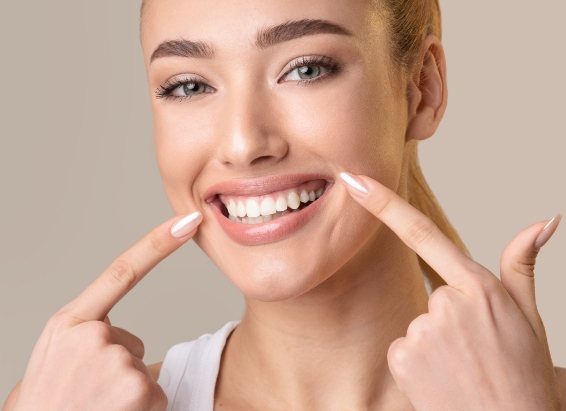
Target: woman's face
x,y
242,114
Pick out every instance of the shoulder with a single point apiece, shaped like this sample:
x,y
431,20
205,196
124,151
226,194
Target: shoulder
x,y
154,369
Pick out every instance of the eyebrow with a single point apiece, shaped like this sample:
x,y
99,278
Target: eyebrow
x,y
265,38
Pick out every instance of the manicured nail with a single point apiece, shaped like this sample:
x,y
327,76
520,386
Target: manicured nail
x,y
547,231
186,224
354,183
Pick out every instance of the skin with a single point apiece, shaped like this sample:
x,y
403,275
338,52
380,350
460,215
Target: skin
x,y
319,320
345,323
482,344
81,361
308,308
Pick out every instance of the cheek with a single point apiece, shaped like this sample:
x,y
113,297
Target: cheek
x,y
180,156
359,131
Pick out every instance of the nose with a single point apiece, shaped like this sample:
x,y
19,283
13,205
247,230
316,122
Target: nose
x,y
250,131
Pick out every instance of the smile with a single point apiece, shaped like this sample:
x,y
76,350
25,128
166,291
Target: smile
x,y
269,209
255,210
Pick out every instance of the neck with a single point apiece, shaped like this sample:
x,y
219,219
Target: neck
x,y
327,349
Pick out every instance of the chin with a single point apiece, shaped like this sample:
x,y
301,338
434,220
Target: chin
x,y
273,279
271,286
294,266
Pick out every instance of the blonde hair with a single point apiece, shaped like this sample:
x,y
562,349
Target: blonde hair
x,y
409,22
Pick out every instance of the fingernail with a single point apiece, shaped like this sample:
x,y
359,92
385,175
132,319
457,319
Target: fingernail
x,y
186,224
547,231
354,183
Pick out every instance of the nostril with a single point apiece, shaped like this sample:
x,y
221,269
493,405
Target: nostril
x,y
261,159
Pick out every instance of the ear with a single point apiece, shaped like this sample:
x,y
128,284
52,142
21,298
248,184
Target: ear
x,y
426,91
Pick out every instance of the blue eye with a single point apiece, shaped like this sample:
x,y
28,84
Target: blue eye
x,y
181,88
311,66
186,88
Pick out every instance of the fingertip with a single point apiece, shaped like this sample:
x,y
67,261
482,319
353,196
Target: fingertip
x,y
186,224
354,184
548,231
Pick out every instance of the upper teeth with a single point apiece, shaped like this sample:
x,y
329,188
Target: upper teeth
x,y
268,204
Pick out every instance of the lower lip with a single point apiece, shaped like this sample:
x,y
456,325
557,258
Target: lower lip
x,y
270,231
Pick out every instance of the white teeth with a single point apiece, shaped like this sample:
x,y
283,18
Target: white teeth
x,y
267,218
281,204
267,206
240,209
253,220
252,208
293,200
260,219
231,206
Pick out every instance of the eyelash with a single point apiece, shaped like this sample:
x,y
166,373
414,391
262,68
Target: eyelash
x,y
164,91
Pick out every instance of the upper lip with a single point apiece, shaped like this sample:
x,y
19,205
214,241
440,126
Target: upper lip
x,y
261,185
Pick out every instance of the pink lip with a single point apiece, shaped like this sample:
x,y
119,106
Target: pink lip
x,y
271,231
260,185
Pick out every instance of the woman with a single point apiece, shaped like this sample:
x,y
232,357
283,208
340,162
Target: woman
x,y
312,210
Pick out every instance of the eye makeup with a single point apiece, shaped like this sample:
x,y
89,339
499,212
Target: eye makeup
x,y
187,84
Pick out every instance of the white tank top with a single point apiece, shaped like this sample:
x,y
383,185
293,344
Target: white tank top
x,y
189,371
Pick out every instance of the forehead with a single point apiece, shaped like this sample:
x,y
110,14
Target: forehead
x,y
230,26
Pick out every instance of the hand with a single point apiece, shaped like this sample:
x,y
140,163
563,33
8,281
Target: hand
x,y
482,343
81,361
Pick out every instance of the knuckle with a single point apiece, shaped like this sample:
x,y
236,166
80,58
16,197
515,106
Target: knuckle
x,y
139,387
94,334
123,272
420,231
137,343
398,358
440,300
139,383
157,243
135,388
419,328
120,355
99,330
62,319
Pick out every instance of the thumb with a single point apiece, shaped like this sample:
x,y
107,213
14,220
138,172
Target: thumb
x,y
517,267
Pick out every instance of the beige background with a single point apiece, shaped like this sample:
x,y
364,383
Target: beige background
x,y
80,183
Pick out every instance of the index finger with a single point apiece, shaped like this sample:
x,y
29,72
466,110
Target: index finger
x,y
96,301
418,232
